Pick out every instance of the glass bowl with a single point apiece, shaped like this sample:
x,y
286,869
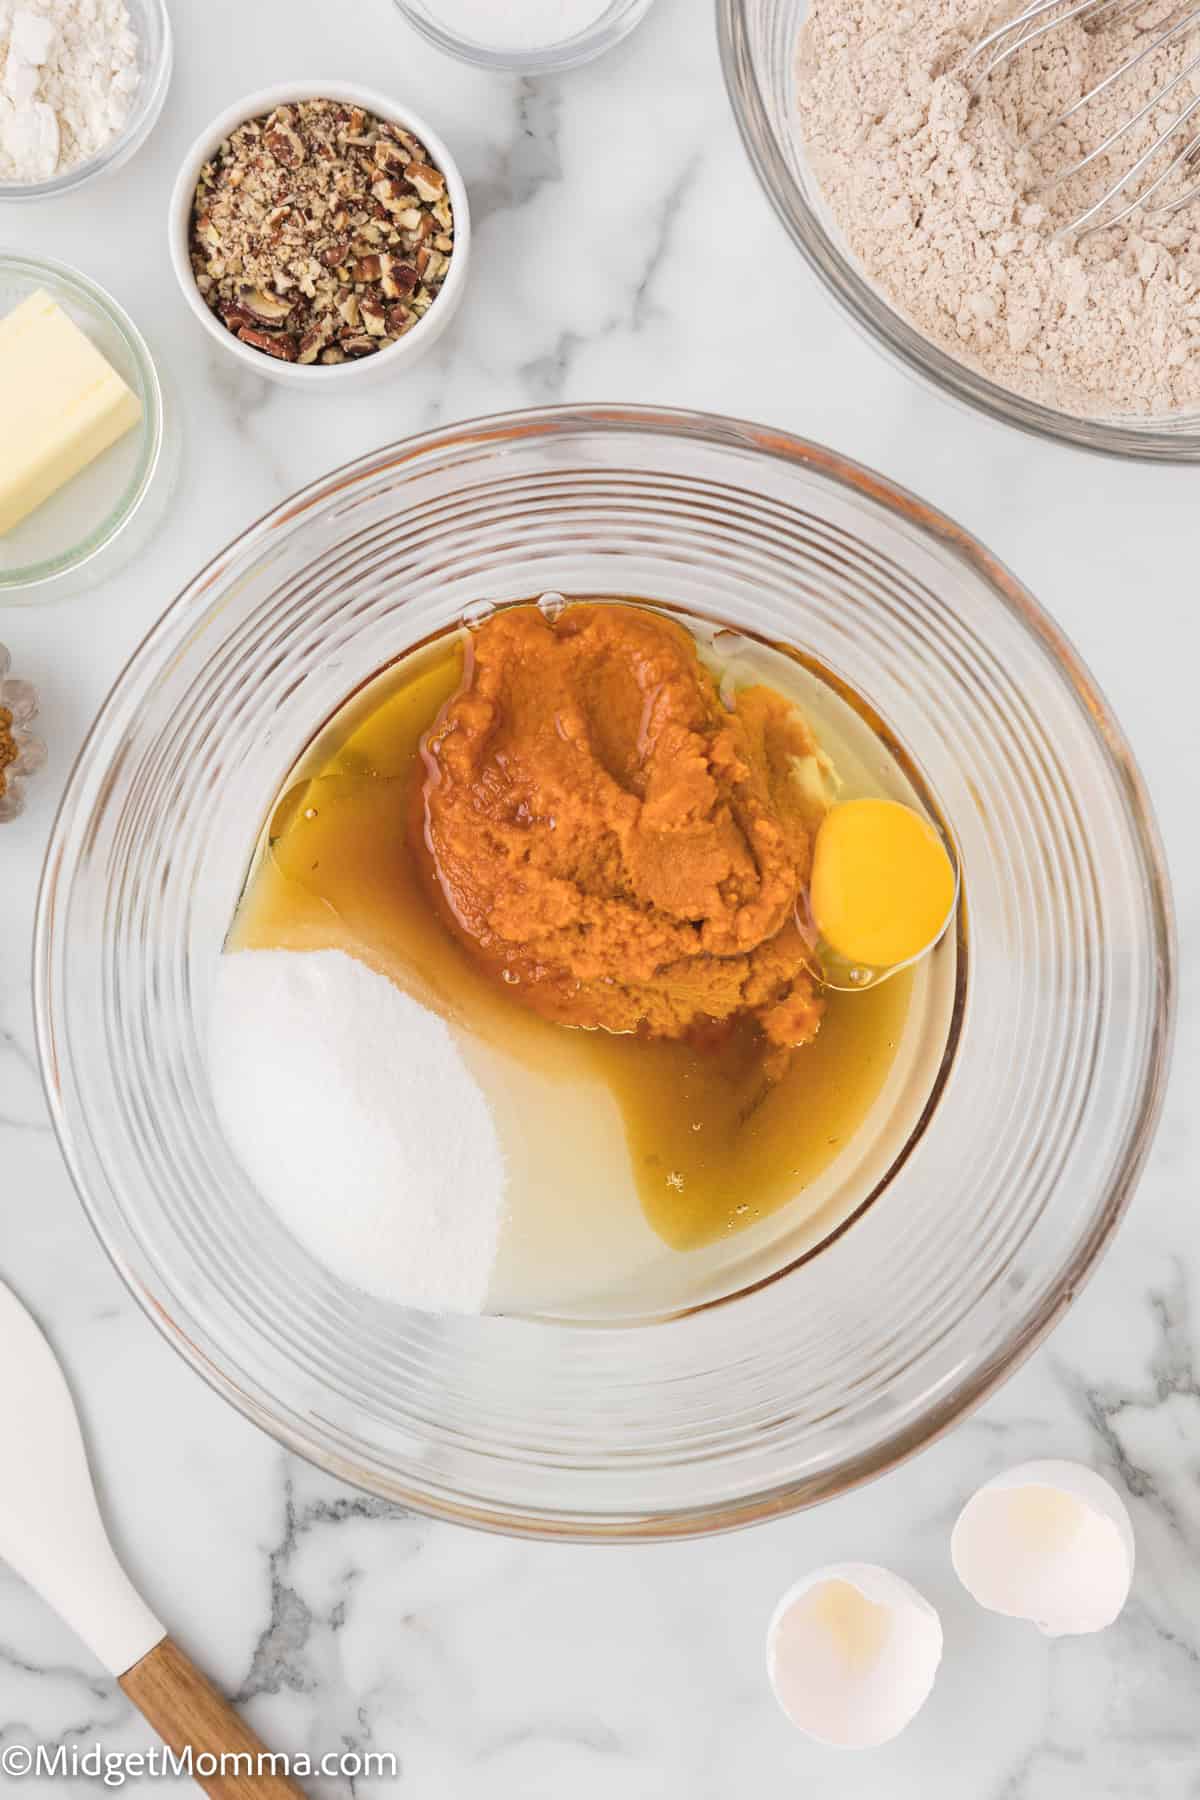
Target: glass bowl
x,y
758,49
103,517
1005,1193
152,23
615,22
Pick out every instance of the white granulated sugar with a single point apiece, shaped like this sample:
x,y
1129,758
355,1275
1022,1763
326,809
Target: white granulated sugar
x,y
517,24
933,192
352,1111
68,75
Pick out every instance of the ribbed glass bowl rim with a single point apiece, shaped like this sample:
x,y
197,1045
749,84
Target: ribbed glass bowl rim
x,y
605,33
490,435
882,325
37,581
151,96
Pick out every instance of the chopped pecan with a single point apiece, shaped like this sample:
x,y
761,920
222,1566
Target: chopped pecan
x,y
237,316
396,278
312,343
374,314
432,266
279,344
391,194
270,308
429,182
283,140
307,227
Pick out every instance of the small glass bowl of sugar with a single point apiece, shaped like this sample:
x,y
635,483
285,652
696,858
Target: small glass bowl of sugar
x,y
529,37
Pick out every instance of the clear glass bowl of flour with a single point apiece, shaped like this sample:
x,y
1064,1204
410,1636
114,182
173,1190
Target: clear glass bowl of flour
x,y
528,37
759,48
828,1362
151,24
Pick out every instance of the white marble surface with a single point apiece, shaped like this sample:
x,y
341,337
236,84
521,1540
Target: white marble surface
x,y
623,252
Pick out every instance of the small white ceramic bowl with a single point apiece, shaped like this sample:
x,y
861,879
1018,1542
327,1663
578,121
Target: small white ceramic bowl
x,y
321,376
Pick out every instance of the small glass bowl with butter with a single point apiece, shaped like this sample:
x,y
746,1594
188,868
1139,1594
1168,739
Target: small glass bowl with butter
x,y
95,519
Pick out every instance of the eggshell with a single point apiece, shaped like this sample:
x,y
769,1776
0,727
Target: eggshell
x,y
852,1653
1050,1542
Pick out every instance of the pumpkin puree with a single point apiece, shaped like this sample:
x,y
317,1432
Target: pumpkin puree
x,y
615,843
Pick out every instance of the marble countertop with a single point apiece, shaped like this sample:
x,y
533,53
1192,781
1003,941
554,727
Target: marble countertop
x,y
623,252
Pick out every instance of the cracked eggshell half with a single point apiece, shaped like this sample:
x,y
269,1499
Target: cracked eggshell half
x,y
1050,1542
852,1653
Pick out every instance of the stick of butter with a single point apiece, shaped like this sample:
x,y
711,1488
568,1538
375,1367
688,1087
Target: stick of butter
x,y
61,405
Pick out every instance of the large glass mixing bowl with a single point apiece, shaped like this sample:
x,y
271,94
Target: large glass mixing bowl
x,y
758,48
835,1367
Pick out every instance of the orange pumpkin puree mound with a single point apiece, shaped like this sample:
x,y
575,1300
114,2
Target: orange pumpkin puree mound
x,y
612,841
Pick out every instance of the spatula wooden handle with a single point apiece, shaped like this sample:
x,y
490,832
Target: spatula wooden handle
x,y
186,1711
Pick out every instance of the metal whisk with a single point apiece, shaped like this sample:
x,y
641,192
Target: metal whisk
x,y
1043,16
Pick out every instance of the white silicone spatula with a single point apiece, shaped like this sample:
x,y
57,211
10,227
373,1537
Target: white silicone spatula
x,y
52,1534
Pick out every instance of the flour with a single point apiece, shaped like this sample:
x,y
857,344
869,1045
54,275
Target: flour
x,y
933,194
68,75
517,24
352,1111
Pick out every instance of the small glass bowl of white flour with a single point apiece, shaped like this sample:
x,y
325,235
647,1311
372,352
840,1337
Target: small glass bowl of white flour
x,y
530,37
82,83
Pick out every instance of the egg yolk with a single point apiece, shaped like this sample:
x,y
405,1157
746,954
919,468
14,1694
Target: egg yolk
x,y
882,884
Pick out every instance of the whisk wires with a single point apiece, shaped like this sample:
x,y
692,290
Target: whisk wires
x,y
992,52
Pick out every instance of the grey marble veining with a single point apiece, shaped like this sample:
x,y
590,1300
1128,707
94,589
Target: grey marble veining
x,y
623,252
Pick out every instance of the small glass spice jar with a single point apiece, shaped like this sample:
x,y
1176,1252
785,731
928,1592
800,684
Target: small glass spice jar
x,y
21,753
